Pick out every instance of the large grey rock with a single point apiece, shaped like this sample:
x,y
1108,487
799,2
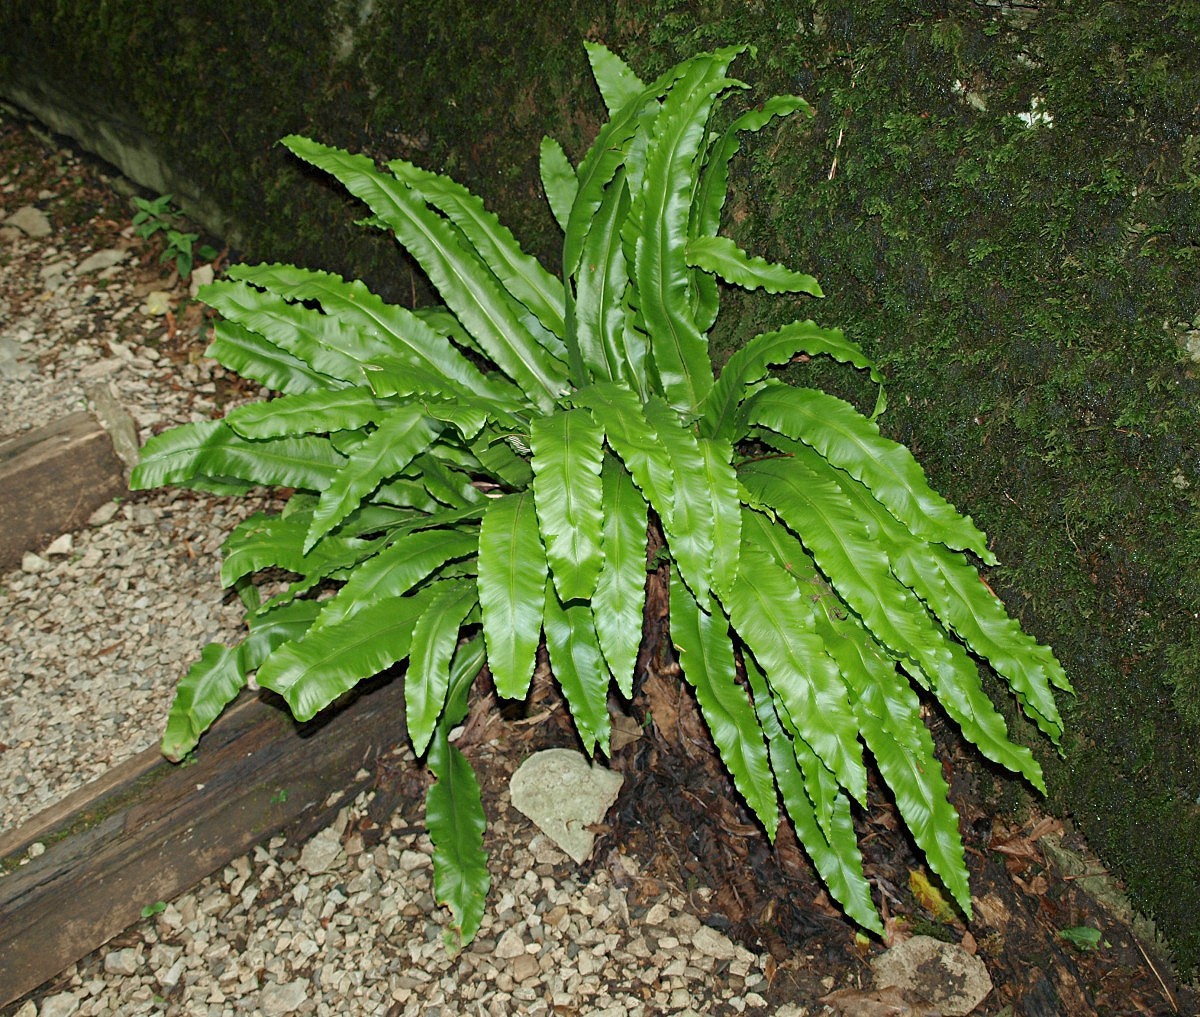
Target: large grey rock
x,y
564,794
944,973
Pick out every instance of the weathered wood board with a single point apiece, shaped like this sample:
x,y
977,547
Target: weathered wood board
x,y
149,829
51,480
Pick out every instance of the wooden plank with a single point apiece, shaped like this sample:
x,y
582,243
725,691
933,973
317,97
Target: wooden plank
x,y
51,480
162,827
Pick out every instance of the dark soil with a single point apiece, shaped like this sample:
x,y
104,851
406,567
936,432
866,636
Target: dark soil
x,y
679,817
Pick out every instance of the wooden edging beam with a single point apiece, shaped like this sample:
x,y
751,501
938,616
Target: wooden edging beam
x,y
51,480
149,829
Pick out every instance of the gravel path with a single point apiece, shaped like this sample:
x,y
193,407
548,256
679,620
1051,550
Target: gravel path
x,y
100,625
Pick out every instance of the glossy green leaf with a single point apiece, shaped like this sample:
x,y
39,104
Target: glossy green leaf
x,y
769,616
658,222
953,590
600,285
378,329
722,257
520,274
312,672
722,484
253,357
690,518
211,448
463,280
302,331
558,180
853,443
211,684
701,635
836,856
617,82
396,570
621,586
749,365
568,449
620,413
512,584
264,540
307,413
427,680
455,820
214,681
580,668
401,435
889,716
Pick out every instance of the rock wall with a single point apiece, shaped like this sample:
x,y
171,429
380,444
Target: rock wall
x,y
1000,202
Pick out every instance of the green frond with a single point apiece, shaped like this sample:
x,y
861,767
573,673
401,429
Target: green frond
x,y
621,586
700,633
568,450
580,668
512,590
853,443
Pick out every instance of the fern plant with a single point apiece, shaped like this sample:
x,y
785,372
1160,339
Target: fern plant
x,y
466,514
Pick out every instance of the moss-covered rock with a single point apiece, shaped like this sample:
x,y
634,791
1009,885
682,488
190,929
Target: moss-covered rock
x,y
1001,204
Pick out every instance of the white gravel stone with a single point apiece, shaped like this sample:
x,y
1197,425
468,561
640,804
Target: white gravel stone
x,y
60,546
320,853
31,221
713,944
101,260
63,1004
122,962
280,1000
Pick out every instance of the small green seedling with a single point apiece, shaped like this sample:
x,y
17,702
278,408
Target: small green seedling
x,y
158,216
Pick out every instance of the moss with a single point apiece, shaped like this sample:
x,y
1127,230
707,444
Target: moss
x,y
1029,290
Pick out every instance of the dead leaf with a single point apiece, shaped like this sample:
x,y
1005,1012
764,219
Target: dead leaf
x,y
930,897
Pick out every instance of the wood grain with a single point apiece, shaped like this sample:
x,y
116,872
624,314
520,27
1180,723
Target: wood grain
x,y
51,480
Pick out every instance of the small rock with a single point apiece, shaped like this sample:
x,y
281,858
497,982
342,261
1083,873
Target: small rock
x,y
525,967
29,1009
714,944
511,945
320,853
104,513
101,260
277,1000
658,914
944,973
413,861
31,221
32,563
157,303
121,962
60,546
201,276
62,1005
36,849
564,794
